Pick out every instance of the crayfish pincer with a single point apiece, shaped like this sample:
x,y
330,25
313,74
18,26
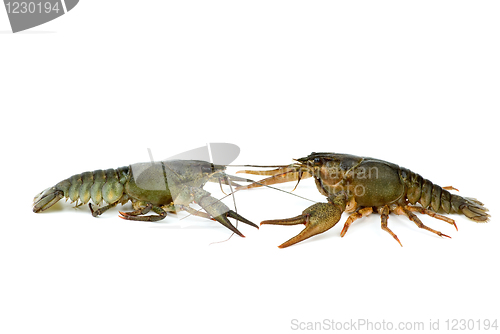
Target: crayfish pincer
x,y
160,187
360,186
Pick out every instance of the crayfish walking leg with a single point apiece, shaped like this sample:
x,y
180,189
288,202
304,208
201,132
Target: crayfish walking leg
x,y
384,216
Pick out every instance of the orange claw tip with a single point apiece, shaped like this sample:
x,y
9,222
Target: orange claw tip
x,y
444,235
455,225
287,244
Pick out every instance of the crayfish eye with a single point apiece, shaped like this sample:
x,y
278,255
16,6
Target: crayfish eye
x,y
317,161
207,169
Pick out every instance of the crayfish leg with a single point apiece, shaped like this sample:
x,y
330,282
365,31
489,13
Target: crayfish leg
x,y
140,211
363,212
432,214
384,216
400,210
136,215
100,211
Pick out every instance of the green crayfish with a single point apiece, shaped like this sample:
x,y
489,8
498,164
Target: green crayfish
x,y
160,187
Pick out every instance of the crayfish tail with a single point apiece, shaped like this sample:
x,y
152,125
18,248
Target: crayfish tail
x,y
46,199
97,186
437,199
471,208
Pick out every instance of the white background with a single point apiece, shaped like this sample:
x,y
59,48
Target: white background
x,y
414,83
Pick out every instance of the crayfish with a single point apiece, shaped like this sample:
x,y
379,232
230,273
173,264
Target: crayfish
x,y
361,186
160,187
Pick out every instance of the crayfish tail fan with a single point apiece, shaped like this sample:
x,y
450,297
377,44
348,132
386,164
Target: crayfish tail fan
x,y
471,208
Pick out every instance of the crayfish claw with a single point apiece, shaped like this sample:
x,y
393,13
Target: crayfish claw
x,y
222,218
224,221
242,219
300,219
318,218
218,210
